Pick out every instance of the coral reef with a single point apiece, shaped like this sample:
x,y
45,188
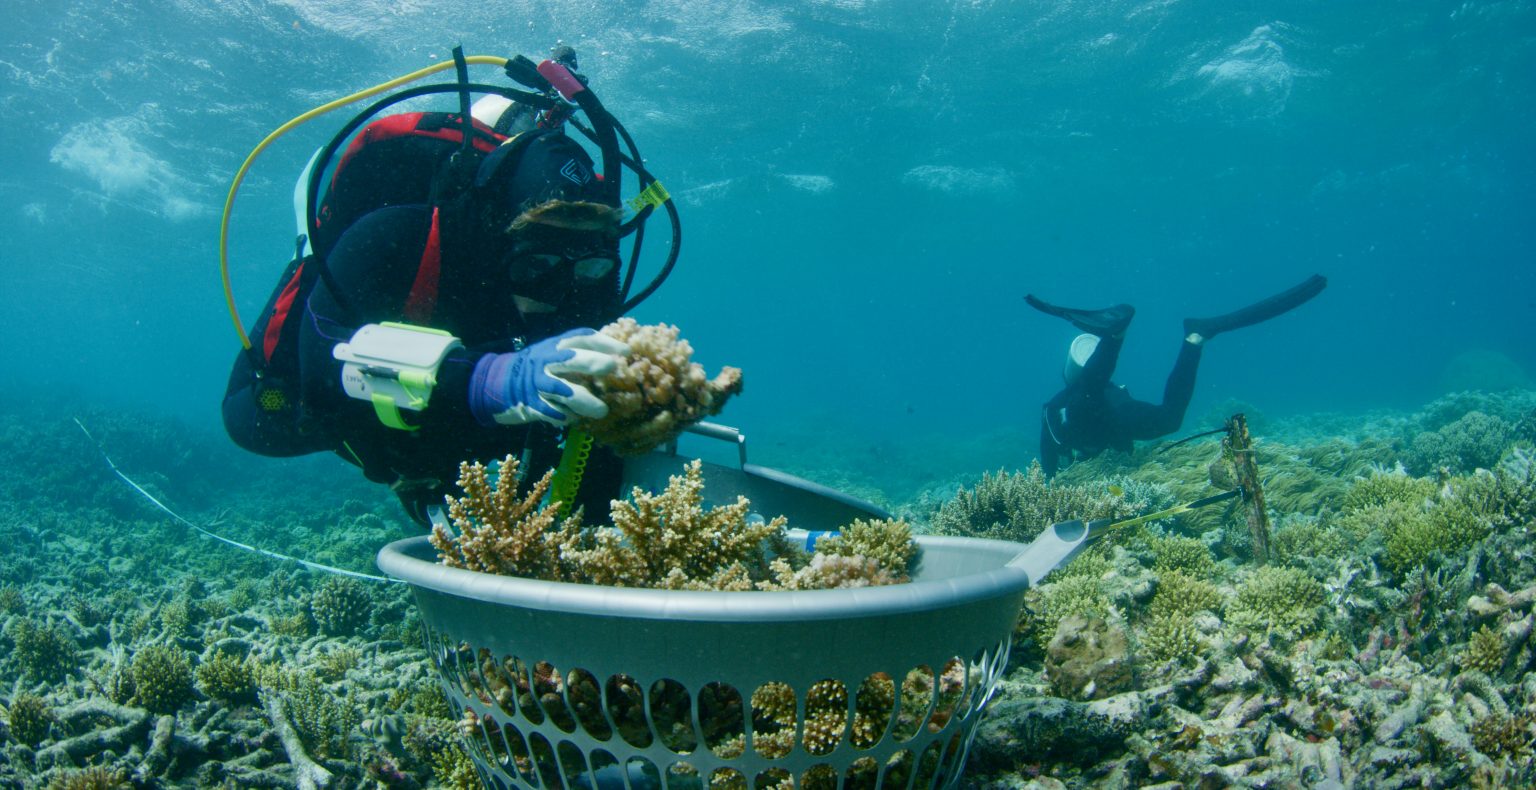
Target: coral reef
x,y
658,393
1020,505
228,677
42,651
28,719
1088,659
1283,601
1475,441
1408,663
162,678
340,606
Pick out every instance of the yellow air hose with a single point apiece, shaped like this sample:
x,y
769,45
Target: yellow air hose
x,y
234,187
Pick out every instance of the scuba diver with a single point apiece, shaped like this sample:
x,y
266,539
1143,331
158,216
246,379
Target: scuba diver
x,y
446,286
1091,414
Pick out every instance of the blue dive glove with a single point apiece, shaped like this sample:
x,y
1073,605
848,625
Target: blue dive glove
x,y
518,388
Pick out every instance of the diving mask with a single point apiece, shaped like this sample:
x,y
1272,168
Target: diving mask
x,y
588,265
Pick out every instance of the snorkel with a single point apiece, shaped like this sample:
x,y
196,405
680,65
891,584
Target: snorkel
x,y
556,94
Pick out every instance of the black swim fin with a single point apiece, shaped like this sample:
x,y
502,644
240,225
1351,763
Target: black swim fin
x,y
1106,322
1258,311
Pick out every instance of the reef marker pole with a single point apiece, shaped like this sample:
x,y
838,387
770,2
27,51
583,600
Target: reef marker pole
x,y
1239,447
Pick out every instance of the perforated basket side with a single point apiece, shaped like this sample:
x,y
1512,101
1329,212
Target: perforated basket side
x,y
576,687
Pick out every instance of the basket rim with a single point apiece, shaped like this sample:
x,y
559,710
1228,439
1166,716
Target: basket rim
x,y
404,559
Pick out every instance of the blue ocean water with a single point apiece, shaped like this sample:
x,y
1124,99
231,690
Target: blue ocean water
x,y
868,189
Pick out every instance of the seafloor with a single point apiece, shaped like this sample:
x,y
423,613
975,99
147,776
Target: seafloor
x,y
1385,643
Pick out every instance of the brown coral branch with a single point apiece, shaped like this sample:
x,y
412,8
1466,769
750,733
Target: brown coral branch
x,y
500,532
658,393
670,540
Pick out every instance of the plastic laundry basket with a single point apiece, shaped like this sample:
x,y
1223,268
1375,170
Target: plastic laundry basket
x,y
567,685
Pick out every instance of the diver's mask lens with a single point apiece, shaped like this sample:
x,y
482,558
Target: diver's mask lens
x,y
586,265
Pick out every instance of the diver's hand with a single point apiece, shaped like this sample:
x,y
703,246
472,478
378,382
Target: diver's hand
x,y
518,388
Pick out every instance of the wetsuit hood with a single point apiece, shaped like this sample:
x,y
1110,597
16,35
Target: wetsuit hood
x,y
535,168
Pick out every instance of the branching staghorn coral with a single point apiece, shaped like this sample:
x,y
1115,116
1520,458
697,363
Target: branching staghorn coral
x,y
866,553
162,678
1473,441
1485,651
500,532
887,542
1170,637
1300,539
1282,601
1170,631
658,393
1046,606
323,722
229,677
1182,595
1021,505
42,651
1177,553
1382,488
95,778
1458,519
28,718
1503,735
340,606
665,540
669,540
829,572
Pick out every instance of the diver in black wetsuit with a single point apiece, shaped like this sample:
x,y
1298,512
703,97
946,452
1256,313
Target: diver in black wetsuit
x,y
1092,414
443,332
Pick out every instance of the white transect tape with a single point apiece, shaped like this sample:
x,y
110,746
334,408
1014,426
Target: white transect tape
x,y
237,544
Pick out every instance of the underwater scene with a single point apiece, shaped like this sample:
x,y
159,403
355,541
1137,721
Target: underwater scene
x,y
1042,395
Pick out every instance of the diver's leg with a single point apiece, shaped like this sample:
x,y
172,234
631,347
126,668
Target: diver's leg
x,y
1147,421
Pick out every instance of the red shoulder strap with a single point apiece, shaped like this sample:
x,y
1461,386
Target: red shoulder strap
x,y
423,298
280,311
